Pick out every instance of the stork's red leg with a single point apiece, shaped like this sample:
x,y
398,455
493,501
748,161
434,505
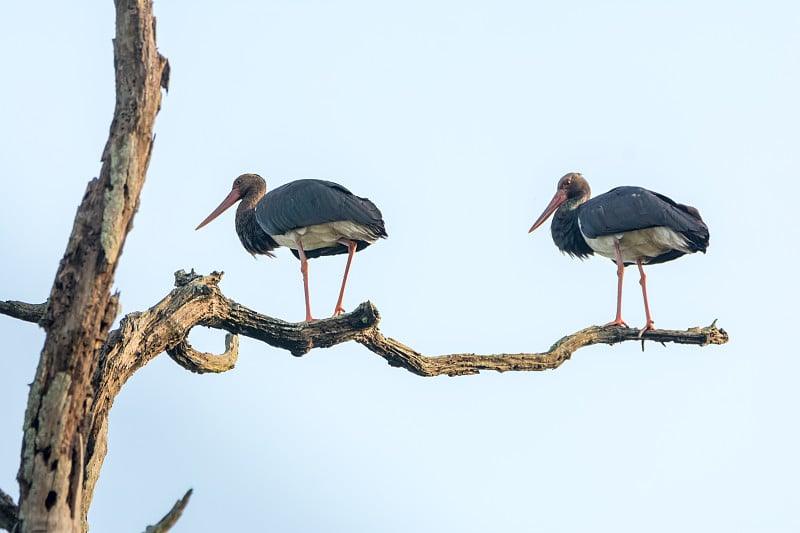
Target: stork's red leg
x,y
351,250
620,274
304,271
643,283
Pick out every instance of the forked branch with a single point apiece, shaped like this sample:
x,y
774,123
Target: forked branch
x,y
197,300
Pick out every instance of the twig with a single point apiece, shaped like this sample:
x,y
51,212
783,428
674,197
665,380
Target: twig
x,y
166,523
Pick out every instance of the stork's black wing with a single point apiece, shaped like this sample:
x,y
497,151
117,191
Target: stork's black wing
x,y
308,202
633,208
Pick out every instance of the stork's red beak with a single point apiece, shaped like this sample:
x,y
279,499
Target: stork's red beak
x,y
559,198
229,200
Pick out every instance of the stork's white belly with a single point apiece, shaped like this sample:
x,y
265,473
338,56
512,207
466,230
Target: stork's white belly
x,y
325,235
643,243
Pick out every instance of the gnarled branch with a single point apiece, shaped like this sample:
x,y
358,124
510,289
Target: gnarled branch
x,y
202,362
362,326
198,301
400,355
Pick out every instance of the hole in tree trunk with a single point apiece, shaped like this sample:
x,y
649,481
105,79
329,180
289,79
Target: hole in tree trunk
x,y
50,501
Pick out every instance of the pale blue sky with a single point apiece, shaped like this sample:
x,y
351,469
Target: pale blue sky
x,y
456,119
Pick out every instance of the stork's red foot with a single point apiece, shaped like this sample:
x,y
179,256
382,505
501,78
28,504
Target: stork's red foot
x,y
616,322
338,311
647,327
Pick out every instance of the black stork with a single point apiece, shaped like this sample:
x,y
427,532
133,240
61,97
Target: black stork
x,y
627,224
311,217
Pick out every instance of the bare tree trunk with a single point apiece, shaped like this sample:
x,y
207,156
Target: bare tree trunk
x,y
81,307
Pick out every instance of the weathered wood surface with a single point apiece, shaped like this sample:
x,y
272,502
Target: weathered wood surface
x,y
54,495
400,355
198,301
23,311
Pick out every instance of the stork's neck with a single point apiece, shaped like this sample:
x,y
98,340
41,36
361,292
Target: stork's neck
x,y
567,232
245,216
247,227
565,218
248,204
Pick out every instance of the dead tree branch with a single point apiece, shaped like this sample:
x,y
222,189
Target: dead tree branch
x,y
23,311
197,300
204,363
400,355
169,520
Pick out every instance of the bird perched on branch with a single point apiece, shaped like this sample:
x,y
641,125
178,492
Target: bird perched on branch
x,y
627,224
311,217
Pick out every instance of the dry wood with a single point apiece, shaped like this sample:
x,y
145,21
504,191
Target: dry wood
x,y
81,308
22,310
197,300
169,520
400,355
